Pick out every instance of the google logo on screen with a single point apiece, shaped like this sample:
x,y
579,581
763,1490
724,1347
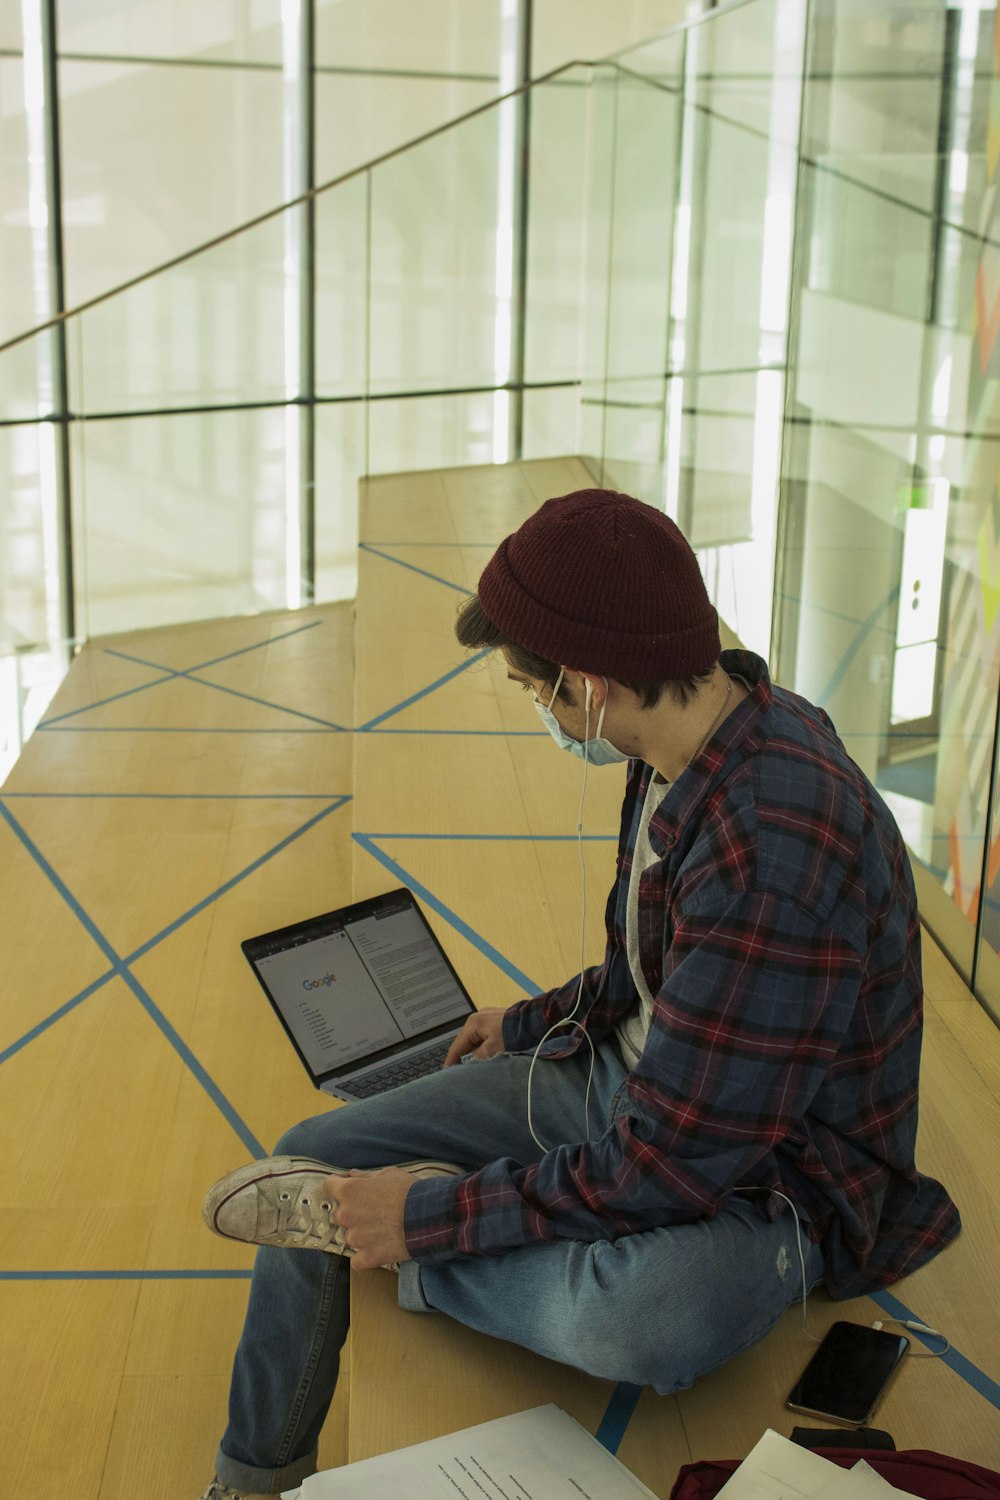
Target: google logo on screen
x,y
316,984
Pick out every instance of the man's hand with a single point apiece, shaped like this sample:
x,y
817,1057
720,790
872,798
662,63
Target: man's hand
x,y
482,1035
370,1209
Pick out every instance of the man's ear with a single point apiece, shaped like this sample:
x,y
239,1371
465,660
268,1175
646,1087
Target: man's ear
x,y
594,689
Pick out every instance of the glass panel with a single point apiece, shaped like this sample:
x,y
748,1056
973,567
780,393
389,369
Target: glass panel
x,y
880,258
210,330
23,253
26,461
440,37
645,187
730,302
433,432
875,96
26,379
439,250
571,30
228,30
551,419
33,657
727,481
140,184
557,246
597,229
888,568
341,332
739,180
643,190
633,439
182,518
385,112
340,465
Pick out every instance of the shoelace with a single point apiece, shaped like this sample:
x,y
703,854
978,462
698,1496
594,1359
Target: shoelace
x,y
310,1216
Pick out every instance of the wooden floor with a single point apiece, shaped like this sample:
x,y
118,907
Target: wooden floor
x,y
193,786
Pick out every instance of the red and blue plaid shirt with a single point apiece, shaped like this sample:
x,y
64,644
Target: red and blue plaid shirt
x,y
778,934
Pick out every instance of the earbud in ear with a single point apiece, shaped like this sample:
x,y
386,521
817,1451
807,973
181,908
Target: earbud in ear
x,y
589,692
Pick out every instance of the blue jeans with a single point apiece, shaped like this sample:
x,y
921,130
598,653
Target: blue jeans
x,y
658,1308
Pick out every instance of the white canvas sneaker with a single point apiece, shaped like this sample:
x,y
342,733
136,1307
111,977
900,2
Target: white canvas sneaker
x,y
281,1201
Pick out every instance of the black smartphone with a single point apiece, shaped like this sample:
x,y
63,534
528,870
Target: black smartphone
x,y
847,1376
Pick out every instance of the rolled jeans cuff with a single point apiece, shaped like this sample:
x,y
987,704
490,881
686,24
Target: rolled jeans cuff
x,y
244,1478
411,1296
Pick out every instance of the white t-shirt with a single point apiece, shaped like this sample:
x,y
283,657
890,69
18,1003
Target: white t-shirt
x,y
631,1032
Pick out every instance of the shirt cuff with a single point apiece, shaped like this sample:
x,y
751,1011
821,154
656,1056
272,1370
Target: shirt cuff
x,y
430,1219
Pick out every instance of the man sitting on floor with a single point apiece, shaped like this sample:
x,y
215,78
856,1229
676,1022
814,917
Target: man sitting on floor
x,y
753,1035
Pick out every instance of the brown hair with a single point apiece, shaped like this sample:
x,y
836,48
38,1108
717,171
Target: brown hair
x,y
476,631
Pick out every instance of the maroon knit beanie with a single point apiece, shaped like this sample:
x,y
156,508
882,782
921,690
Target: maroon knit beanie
x,y
600,582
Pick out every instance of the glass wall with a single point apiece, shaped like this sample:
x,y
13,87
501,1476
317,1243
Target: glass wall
x,y
825,422
882,606
748,271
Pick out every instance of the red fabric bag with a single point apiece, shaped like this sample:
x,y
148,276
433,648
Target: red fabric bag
x,y
933,1476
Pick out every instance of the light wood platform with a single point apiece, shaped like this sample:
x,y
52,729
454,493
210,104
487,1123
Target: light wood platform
x,y
522,895
159,819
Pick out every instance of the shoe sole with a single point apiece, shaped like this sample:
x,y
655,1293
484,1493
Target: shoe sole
x,y
277,1167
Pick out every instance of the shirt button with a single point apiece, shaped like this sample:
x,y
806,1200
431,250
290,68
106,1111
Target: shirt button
x,y
670,839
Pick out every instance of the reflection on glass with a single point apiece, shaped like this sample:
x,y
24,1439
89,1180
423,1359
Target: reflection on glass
x,y
226,30
882,607
430,432
140,186
551,422
434,251
184,518
340,466
209,331
557,244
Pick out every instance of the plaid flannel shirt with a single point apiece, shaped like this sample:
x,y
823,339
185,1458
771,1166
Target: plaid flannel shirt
x,y
779,936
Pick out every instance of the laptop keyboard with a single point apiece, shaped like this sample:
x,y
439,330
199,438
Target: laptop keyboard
x,y
404,1071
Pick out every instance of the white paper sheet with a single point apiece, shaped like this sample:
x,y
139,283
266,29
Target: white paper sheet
x,y
535,1455
859,1483
778,1469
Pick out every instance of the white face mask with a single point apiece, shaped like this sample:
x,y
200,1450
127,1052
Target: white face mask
x,y
596,752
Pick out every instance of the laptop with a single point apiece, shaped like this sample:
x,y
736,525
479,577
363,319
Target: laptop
x,y
366,994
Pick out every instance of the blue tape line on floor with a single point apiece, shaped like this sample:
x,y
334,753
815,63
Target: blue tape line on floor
x,y
405,878
970,1373
188,675
412,567
618,1415
234,880
100,702
57,1015
258,645
171,672
280,708
415,697
152,942
145,1000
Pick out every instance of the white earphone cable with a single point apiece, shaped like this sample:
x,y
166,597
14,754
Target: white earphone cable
x,y
568,1020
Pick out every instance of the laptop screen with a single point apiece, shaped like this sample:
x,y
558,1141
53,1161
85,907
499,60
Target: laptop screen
x,y
359,984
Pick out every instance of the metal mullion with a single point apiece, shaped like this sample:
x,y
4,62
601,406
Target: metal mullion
x,y
307,301
57,303
521,205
